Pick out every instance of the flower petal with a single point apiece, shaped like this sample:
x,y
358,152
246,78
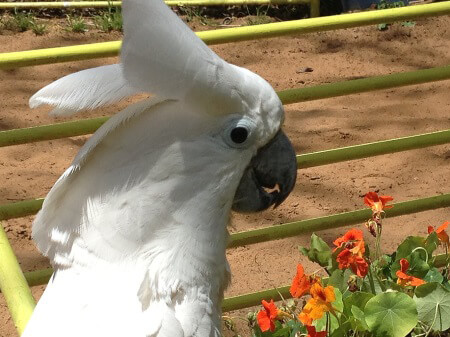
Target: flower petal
x,y
300,284
404,265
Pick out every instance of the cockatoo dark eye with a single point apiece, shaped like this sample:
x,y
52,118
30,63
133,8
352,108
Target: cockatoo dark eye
x,y
239,134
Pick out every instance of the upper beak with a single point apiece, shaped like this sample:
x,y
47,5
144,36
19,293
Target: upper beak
x,y
273,167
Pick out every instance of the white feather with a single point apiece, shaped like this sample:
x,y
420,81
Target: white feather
x,y
85,90
161,55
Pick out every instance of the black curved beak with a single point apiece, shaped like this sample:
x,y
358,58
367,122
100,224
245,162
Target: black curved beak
x,y
273,167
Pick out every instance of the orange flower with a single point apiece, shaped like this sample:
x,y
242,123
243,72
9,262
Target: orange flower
x,y
405,279
302,283
318,304
267,317
357,263
441,233
312,332
349,238
377,203
353,253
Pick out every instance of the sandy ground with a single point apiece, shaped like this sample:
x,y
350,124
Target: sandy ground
x,y
29,171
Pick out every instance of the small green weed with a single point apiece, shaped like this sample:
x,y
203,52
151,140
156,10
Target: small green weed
x,y
196,13
8,23
23,21
76,24
384,4
111,20
261,16
39,28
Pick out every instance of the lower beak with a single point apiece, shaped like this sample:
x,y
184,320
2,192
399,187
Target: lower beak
x,y
274,167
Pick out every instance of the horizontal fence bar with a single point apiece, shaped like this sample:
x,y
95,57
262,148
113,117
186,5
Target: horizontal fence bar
x,y
40,277
88,126
361,85
334,221
20,208
103,4
53,131
373,149
30,207
13,285
326,23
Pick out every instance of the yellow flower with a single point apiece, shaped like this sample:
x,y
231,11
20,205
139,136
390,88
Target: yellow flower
x,y
320,302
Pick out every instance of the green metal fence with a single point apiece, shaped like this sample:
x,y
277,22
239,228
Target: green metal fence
x,y
326,23
13,284
314,5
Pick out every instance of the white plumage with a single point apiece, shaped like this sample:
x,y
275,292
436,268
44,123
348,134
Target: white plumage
x,y
136,226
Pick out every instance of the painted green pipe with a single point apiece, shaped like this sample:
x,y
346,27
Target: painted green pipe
x,y
20,209
373,149
103,4
326,23
87,126
343,88
29,207
52,131
13,285
334,221
38,277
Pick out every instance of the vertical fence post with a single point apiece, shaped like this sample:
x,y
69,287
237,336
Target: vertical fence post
x,y
13,285
314,8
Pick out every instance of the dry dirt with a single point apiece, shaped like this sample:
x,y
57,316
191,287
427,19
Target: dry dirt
x,y
29,171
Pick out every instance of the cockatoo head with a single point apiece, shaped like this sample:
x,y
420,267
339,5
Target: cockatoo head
x,y
160,54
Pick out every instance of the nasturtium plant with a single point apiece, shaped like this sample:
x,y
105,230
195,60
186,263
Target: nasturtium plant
x,y
357,292
433,305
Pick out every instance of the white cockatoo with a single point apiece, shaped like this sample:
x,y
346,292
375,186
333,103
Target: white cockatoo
x,y
136,228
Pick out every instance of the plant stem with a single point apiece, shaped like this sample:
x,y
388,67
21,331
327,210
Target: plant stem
x,y
372,284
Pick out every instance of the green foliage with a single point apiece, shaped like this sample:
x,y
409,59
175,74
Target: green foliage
x,y
39,28
261,16
23,21
318,252
110,20
392,314
433,305
195,13
383,4
76,24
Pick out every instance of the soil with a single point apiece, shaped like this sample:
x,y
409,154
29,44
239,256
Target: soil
x,y
29,171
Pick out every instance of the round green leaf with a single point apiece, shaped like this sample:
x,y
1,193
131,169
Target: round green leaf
x,y
358,299
433,305
391,314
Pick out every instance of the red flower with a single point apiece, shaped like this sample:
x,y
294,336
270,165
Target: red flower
x,y
312,332
267,317
301,283
352,254
357,263
377,203
405,279
349,238
441,233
